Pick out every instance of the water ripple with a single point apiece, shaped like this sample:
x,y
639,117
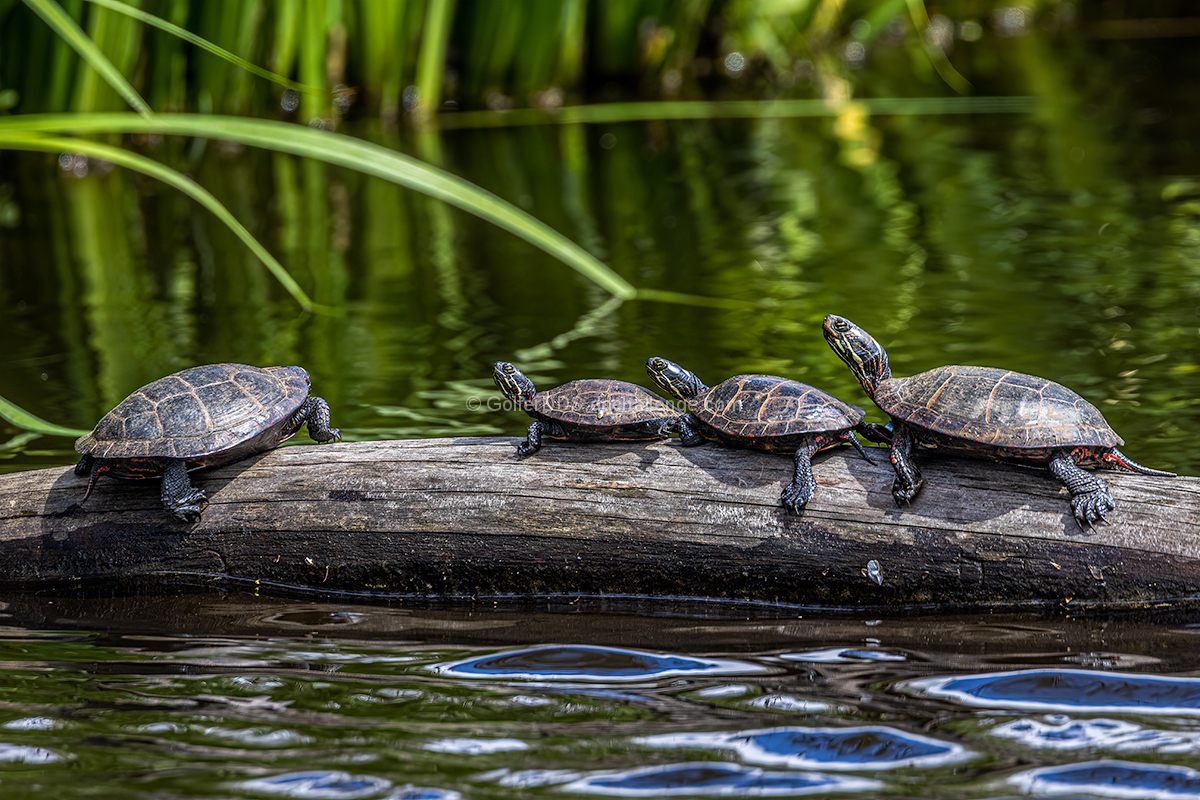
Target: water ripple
x,y
474,747
33,724
723,690
423,793
788,702
1123,779
844,655
1067,690
1062,733
318,785
714,778
529,778
589,663
24,754
256,737
870,747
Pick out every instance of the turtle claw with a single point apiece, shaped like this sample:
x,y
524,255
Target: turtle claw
x,y
1090,508
187,509
904,492
793,508
794,498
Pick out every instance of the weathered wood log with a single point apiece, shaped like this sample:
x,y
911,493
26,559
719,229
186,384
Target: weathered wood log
x,y
464,517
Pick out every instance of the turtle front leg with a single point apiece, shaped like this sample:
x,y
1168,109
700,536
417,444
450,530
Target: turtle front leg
x,y
908,476
1090,499
852,440
799,492
84,466
689,431
183,500
533,439
315,412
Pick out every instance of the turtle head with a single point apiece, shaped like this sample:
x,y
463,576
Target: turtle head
x,y
513,383
865,356
674,379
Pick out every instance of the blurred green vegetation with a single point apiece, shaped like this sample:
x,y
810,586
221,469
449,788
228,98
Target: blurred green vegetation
x,y
1062,241
414,58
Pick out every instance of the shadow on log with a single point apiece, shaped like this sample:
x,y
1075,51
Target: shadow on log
x,y
464,517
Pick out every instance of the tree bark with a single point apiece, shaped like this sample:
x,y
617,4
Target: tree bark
x,y
464,517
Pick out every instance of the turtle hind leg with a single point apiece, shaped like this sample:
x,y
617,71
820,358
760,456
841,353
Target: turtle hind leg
x,y
797,494
1119,460
179,497
1090,499
94,468
315,413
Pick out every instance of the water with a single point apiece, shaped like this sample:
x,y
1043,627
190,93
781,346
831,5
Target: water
x,y
1063,242
206,696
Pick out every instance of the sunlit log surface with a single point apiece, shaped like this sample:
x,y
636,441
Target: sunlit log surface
x,y
464,517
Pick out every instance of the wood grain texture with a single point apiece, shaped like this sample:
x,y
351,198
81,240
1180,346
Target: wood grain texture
x,y
464,517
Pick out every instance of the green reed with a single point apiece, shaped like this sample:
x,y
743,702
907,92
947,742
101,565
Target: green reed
x,y
209,55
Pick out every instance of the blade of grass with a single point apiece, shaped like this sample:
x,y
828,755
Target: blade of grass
x,y
573,35
937,55
312,49
732,109
431,60
65,26
129,160
684,299
345,151
202,43
287,23
26,421
9,448
383,50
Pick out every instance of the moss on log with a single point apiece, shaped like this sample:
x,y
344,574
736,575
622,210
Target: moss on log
x,y
464,517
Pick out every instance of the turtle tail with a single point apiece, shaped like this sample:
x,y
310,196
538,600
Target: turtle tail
x,y
1117,460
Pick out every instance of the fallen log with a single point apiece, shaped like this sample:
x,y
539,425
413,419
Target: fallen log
x,y
465,518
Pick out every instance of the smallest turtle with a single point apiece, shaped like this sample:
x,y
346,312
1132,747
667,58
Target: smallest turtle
x,y
587,410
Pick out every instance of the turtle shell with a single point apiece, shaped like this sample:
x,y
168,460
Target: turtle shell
x,y
198,412
996,407
601,403
754,406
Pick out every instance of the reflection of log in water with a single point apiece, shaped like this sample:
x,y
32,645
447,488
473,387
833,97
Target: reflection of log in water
x,y
464,517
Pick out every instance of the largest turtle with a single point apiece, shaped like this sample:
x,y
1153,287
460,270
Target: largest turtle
x,y
200,417
984,412
762,412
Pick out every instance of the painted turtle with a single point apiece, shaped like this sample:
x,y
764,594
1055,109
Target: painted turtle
x,y
587,410
763,412
200,417
990,413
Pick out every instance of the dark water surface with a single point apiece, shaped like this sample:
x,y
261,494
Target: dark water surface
x,y
223,696
1063,242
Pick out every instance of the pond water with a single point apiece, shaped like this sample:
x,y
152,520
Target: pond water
x,y
221,696
1062,241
